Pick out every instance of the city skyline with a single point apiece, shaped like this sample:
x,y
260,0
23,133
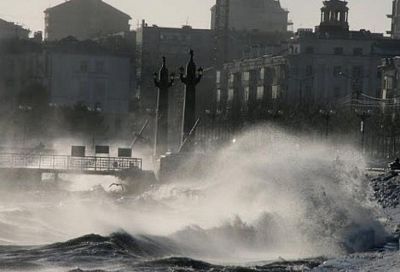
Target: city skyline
x,y
303,16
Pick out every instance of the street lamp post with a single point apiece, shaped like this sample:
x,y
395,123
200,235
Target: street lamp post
x,y
163,81
327,115
191,79
364,116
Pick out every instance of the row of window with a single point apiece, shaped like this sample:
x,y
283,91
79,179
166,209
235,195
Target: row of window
x,y
245,76
246,94
336,51
357,71
334,16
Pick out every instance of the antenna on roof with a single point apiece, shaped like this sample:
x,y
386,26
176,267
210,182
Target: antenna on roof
x,y
187,21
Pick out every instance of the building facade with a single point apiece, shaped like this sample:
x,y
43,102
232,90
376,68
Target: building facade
x,y
330,66
333,65
124,43
9,30
84,72
390,77
155,42
255,15
84,19
395,17
251,89
248,29
21,65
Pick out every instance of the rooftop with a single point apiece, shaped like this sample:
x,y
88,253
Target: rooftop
x,y
87,3
11,24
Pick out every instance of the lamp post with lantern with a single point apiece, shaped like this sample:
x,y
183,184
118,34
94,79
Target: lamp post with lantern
x,y
190,79
163,81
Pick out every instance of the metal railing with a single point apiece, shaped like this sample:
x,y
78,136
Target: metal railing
x,y
68,163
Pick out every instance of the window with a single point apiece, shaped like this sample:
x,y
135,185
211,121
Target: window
x,y
357,51
262,73
246,76
218,98
275,92
246,94
338,51
84,66
260,92
388,83
218,77
230,95
231,78
309,50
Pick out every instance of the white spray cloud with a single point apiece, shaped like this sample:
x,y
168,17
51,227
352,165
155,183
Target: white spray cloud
x,y
267,195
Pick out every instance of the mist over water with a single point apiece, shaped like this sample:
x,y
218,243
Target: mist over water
x,y
267,195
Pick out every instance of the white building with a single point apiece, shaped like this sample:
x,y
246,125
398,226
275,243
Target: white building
x,y
81,72
328,66
333,63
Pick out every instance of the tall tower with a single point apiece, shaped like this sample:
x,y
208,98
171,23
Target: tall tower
x,y
220,24
395,16
334,16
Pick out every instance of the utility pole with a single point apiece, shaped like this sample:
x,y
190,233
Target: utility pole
x,y
163,81
191,79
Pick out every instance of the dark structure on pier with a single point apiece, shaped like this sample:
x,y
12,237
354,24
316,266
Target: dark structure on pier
x,y
191,79
163,82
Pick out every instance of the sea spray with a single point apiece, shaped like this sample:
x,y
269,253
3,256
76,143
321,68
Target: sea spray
x,y
269,194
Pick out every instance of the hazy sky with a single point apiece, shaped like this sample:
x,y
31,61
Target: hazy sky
x,y
367,14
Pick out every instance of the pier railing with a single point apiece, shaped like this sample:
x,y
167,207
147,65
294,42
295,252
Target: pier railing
x,y
68,163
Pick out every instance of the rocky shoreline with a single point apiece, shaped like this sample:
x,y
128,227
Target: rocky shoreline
x,y
386,193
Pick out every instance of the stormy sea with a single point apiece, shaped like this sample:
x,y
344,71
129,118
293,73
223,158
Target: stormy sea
x,y
269,201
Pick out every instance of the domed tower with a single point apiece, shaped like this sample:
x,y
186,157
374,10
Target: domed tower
x,y
334,16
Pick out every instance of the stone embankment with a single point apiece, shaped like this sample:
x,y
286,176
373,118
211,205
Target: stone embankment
x,y
386,190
